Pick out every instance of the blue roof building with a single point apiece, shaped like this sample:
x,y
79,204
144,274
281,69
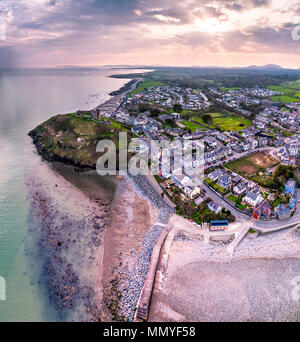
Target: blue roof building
x,y
282,211
290,186
219,225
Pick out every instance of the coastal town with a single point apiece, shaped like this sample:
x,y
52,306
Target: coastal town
x,y
250,148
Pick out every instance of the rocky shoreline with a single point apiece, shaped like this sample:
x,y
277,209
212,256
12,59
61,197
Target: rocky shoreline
x,y
125,88
69,230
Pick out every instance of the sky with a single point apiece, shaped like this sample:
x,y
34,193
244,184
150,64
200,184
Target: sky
x,y
50,33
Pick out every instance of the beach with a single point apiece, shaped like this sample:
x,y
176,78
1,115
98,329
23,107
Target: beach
x,y
198,280
95,246
94,240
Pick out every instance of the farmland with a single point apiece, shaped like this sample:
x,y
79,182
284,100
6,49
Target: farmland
x,y
290,91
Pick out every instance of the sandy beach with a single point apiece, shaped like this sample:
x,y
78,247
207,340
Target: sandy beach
x,y
95,243
199,281
132,217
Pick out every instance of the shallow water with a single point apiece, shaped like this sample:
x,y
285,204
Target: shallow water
x,y
28,98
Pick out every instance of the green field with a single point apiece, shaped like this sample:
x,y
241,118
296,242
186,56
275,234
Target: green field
x,y
144,85
193,126
226,123
285,99
290,91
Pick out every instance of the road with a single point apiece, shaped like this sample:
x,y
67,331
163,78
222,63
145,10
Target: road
x,y
268,225
219,199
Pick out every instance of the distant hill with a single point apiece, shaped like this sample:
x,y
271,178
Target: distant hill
x,y
267,66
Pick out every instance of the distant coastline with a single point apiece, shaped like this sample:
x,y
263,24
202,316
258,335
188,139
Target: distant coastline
x,y
125,88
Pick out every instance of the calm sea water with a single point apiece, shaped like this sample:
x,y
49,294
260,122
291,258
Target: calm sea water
x,y
28,98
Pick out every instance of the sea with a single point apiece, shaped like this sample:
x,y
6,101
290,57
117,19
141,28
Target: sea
x,y
28,98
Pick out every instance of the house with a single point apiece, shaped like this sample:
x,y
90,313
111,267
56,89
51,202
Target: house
x,y
240,188
214,207
290,186
192,192
292,149
252,143
224,181
210,141
223,137
263,211
176,115
198,200
165,117
262,142
253,199
215,175
180,180
246,146
282,212
237,148
260,118
218,225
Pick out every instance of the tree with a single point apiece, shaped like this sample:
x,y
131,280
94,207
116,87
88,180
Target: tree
x,y
177,107
207,119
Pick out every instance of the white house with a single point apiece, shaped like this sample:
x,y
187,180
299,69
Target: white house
x,y
192,192
253,199
240,188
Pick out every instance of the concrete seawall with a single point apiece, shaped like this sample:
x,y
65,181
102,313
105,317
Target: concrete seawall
x,y
146,294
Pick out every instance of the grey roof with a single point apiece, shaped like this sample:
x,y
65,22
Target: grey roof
x,y
252,195
225,178
242,186
216,173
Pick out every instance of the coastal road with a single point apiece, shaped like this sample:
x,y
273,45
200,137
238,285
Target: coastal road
x,y
276,224
264,225
219,200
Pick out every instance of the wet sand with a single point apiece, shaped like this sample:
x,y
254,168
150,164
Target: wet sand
x,y
69,229
132,217
94,238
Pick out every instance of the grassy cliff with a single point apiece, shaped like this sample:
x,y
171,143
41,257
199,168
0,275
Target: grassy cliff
x,y
73,140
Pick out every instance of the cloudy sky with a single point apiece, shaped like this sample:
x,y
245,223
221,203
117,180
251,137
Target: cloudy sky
x,y
49,33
